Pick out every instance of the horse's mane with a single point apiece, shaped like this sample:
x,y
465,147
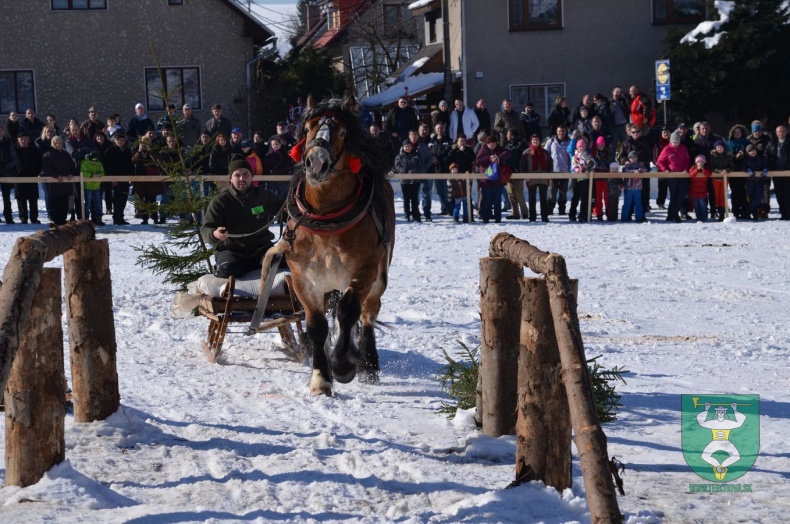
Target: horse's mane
x,y
358,140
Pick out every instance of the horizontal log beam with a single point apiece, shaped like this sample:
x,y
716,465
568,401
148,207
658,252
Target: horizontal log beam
x,y
21,277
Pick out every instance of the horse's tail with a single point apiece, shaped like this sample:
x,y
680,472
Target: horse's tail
x,y
266,265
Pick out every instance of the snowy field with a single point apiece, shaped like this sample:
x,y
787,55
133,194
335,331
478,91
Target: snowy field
x,y
686,308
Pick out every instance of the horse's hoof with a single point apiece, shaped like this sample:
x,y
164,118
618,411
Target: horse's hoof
x,y
319,386
316,391
346,376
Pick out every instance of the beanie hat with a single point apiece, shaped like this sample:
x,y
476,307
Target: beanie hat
x,y
749,148
699,158
600,141
238,162
719,143
406,142
756,126
674,138
581,141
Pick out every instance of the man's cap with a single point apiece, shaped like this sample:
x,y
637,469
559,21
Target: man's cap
x,y
119,134
236,130
246,143
721,409
238,162
139,106
92,109
682,126
186,106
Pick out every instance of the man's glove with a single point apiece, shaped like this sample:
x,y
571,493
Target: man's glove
x,y
750,172
765,172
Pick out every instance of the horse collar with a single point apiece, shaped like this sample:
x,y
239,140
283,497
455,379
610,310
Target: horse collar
x,y
325,224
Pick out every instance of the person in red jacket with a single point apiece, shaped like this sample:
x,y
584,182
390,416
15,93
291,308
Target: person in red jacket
x,y
698,191
643,114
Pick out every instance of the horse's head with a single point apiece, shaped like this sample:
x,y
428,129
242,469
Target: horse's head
x,y
324,135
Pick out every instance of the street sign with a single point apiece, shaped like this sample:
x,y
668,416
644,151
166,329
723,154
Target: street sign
x,y
663,91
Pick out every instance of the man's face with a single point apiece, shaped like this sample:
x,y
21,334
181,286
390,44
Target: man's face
x,y
534,141
617,92
140,111
13,116
586,100
236,137
187,111
165,132
241,179
216,112
30,114
506,105
634,132
281,130
528,109
781,133
413,137
491,145
423,131
120,141
461,142
23,140
704,129
439,129
459,105
93,115
633,92
402,103
481,104
374,131
596,123
171,142
562,132
257,138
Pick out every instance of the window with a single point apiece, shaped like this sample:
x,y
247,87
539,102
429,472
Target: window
x,y
542,97
182,86
394,13
78,5
17,91
527,15
678,11
432,19
175,2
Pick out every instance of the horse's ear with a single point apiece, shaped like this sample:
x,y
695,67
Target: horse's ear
x,y
350,102
310,103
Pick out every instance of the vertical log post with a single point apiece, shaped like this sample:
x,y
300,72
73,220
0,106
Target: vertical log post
x,y
589,436
35,394
543,427
91,324
500,308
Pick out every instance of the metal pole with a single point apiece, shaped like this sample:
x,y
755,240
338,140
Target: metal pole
x,y
448,80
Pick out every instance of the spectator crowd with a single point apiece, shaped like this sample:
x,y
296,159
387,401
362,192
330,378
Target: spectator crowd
x,y
32,148
600,135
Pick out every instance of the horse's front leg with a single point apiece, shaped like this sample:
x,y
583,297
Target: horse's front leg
x,y
317,330
344,366
368,354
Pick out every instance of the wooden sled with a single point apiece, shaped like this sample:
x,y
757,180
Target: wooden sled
x,y
281,313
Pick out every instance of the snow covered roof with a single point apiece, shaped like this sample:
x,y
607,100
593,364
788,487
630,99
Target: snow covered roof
x,y
420,3
411,86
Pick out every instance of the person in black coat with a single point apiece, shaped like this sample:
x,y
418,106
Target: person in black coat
x,y
57,163
117,162
28,165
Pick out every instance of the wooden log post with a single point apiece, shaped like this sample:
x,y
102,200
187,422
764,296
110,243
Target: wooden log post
x,y
91,326
589,436
500,310
543,427
35,396
20,281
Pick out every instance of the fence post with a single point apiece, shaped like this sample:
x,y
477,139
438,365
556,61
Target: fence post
x,y
35,394
500,311
543,427
91,325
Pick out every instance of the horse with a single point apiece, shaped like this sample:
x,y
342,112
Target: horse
x,y
339,237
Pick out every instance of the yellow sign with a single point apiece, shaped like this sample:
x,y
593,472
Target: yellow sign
x,y
662,73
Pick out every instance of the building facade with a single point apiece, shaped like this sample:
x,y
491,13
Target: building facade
x,y
63,56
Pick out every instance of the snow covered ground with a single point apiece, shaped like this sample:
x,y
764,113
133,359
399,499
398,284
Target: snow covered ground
x,y
686,308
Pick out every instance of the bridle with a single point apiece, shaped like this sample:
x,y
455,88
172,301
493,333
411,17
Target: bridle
x,y
323,139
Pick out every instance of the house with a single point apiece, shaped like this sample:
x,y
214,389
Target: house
x,y
368,39
536,50
63,56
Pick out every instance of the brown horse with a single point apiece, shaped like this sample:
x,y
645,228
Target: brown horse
x,y
339,237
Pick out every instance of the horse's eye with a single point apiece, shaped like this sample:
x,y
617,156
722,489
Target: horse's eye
x,y
342,133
